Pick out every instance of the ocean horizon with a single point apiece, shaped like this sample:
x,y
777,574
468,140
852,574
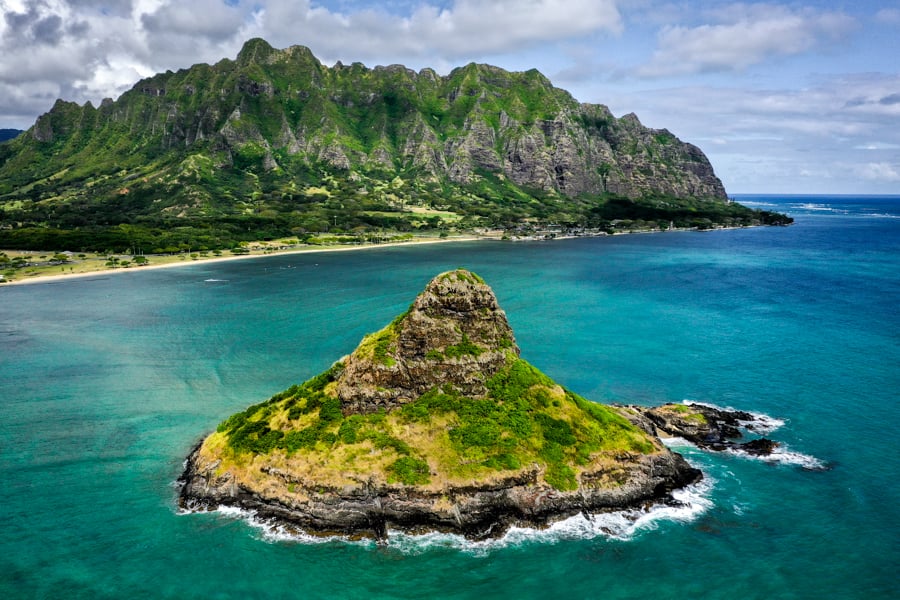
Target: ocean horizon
x,y
107,383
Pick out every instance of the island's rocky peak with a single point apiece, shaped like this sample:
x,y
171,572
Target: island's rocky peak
x,y
454,335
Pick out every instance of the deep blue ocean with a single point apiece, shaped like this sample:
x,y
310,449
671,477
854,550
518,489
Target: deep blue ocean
x,y
107,382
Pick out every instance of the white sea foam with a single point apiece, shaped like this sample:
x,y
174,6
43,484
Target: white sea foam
x,y
272,531
881,215
782,455
764,424
813,206
677,442
234,511
689,503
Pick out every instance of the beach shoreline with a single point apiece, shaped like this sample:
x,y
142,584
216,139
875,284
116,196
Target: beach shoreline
x,y
50,278
261,252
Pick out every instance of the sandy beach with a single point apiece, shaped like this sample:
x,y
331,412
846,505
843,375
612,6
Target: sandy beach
x,y
182,260
45,274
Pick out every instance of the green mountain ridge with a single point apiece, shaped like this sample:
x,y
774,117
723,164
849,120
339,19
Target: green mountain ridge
x,y
275,143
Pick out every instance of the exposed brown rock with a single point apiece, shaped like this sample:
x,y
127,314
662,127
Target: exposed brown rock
x,y
454,334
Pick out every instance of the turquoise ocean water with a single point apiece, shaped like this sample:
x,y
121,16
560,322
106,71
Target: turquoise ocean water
x,y
106,382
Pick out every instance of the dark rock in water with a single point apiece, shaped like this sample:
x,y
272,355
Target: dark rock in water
x,y
760,447
706,426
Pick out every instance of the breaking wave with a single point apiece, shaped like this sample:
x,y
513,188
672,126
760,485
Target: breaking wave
x,y
785,456
881,215
812,206
687,504
272,531
623,525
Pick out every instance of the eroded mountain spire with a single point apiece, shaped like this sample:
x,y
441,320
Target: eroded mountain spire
x,y
454,335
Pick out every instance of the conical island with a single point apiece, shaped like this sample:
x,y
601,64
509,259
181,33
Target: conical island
x,y
432,423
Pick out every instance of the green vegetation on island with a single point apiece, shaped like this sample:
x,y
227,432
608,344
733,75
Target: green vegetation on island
x,y
525,420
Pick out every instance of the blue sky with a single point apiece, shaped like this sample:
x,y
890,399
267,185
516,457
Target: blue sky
x,y
784,97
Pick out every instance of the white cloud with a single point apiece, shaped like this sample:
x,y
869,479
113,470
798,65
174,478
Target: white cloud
x,y
877,146
880,172
209,19
888,16
879,101
90,49
48,48
467,28
763,140
744,35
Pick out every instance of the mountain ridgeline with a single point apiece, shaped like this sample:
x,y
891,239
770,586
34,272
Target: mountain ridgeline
x,y
275,144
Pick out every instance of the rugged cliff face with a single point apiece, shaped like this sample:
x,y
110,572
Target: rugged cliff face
x,y
271,108
454,334
274,110
275,144
432,423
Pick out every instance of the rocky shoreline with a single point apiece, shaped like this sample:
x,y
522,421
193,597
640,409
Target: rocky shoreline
x,y
476,512
484,511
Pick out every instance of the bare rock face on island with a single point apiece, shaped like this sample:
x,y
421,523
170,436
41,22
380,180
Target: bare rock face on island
x,y
432,423
454,333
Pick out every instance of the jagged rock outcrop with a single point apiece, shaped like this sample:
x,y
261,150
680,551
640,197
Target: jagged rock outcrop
x,y
706,426
455,334
433,423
